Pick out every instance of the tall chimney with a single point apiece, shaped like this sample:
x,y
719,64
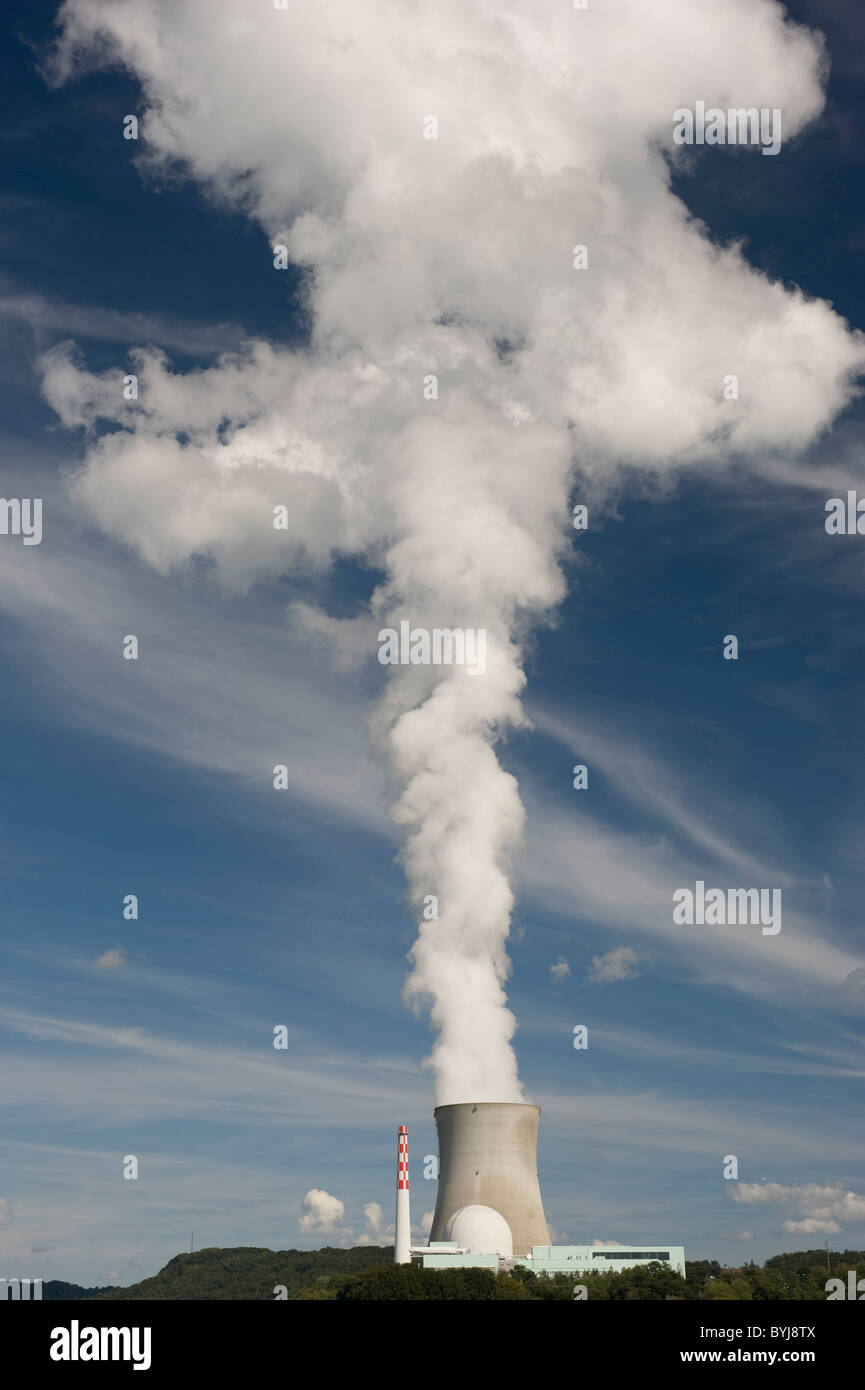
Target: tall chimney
x,y
402,1238
488,1157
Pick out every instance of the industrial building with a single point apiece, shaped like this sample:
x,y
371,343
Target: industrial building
x,y
489,1212
560,1259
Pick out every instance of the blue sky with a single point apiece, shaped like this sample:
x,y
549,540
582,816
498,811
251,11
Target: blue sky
x,y
260,909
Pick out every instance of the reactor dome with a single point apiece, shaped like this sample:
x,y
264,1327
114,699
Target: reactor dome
x,y
481,1231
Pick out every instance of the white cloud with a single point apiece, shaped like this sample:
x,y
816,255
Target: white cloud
x,y
744,1235
560,971
375,1227
113,959
6,1212
324,1215
321,1214
821,1209
376,1232
813,1226
620,964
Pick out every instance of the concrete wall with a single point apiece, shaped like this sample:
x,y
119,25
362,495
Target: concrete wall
x,y
488,1155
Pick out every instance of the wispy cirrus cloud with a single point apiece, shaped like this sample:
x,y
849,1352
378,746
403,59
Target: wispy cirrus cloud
x,y
50,318
230,700
212,688
647,781
624,882
135,1074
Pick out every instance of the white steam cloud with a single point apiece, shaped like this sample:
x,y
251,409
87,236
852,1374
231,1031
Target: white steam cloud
x,y
452,257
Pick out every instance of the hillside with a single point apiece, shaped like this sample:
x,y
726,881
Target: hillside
x,y
367,1272
247,1272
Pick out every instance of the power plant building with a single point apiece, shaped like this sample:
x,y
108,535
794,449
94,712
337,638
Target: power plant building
x,y
489,1212
562,1259
594,1259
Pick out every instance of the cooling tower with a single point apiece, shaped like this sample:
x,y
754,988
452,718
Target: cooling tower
x,y
488,1157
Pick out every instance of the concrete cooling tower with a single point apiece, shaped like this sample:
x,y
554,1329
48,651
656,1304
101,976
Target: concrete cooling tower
x,y
488,1158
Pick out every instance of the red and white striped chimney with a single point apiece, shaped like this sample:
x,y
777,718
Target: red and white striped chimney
x,y
402,1239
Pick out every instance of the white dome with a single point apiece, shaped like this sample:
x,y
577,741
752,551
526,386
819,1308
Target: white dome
x,y
481,1231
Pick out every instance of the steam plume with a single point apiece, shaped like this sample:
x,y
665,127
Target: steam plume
x,y
452,257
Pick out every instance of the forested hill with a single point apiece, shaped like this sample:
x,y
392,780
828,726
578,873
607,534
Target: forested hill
x,y
58,1289
248,1272
367,1272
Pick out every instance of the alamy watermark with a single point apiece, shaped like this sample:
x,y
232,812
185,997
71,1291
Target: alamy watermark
x,y
845,519
855,1289
77,1343
22,516
713,907
736,126
23,1290
438,646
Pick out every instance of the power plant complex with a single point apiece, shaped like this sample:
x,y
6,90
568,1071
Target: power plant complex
x,y
489,1211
